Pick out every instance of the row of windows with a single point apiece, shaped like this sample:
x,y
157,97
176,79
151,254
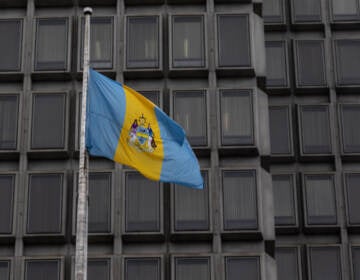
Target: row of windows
x,y
49,118
139,268
319,198
143,49
310,64
314,129
142,203
310,11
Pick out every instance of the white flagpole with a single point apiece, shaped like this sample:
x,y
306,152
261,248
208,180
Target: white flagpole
x,y
82,201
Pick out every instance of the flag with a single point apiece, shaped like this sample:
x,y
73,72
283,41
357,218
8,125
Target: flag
x,y
124,126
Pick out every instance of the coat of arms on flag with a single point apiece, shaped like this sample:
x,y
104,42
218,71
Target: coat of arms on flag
x,y
141,135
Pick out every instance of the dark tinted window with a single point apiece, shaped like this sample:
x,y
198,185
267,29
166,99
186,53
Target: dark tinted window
x,y
352,184
345,10
233,43
356,262
7,188
10,48
273,11
8,121
191,207
51,44
347,56
247,267
287,263
192,269
315,129
276,64
188,41
306,10
320,199
42,270
153,96
350,114
240,200
4,270
48,121
142,202
98,269
325,263
45,198
142,42
236,117
190,112
142,268
280,135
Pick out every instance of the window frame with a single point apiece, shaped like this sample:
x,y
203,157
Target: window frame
x,y
279,25
297,248
345,155
304,23
95,257
259,256
144,257
49,237
10,237
191,256
10,260
60,259
351,227
352,247
342,20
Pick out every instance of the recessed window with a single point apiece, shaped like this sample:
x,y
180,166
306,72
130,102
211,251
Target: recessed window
x,y
190,111
142,268
5,270
273,11
7,189
284,200
9,112
42,270
315,129
345,10
276,64
236,110
98,269
191,207
247,267
355,253
10,48
153,96
44,204
349,114
310,63
101,42
51,44
320,200
287,263
192,268
142,204
188,43
325,263
239,200
48,121
347,54
142,50
306,11
280,130
233,43
352,184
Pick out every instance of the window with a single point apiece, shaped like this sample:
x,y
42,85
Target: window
x,y
51,44
191,207
349,114
9,112
142,203
188,43
42,270
352,181
98,269
48,121
247,267
284,200
10,48
310,63
44,205
233,43
273,11
99,202
142,268
280,130
101,43
192,268
7,189
153,96
142,42
287,263
190,112
239,199
320,200
325,263
345,10
276,64
315,129
355,262
5,270
347,56
306,11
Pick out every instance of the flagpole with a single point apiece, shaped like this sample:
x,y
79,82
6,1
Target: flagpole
x,y
82,201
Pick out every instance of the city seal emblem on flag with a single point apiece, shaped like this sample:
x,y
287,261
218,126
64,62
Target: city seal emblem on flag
x,y
141,135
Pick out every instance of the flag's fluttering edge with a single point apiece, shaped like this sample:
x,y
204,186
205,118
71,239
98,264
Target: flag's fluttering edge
x,y
124,126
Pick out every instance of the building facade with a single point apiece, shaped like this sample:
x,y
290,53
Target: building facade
x,y
267,92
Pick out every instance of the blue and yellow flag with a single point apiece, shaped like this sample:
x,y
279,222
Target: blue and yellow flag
x,y
124,126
